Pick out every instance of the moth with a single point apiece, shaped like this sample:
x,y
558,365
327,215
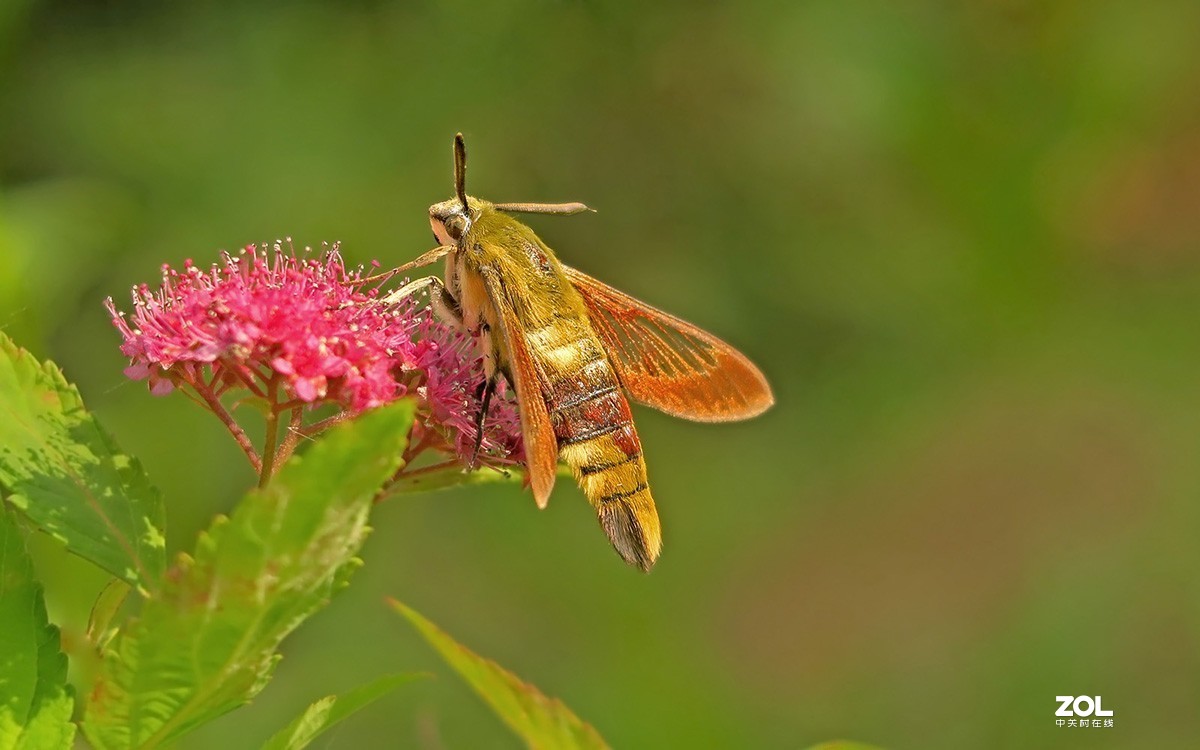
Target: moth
x,y
576,350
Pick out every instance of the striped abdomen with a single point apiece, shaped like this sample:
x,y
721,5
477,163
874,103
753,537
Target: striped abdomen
x,y
596,436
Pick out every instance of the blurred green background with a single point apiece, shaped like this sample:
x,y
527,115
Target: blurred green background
x,y
963,241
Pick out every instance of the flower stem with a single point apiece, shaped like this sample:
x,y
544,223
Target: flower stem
x,y
239,435
288,446
318,427
271,441
240,371
412,451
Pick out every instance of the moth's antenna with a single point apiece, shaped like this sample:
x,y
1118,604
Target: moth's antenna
x,y
460,170
562,209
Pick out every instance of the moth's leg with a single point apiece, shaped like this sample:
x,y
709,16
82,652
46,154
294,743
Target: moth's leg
x,y
425,259
508,379
485,391
479,390
444,306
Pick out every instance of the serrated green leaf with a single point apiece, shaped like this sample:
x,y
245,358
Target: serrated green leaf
x,y
104,609
35,701
61,470
332,709
543,723
207,643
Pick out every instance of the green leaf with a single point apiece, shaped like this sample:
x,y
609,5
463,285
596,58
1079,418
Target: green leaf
x,y
332,709
62,471
207,643
35,702
843,745
104,609
544,723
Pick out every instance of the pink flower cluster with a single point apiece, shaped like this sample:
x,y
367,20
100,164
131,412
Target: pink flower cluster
x,y
303,318
303,331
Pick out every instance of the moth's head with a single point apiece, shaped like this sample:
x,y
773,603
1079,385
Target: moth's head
x,y
452,219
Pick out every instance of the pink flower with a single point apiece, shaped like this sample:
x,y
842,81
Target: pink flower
x,y
451,375
301,332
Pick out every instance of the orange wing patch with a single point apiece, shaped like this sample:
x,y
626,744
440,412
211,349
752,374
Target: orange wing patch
x,y
541,448
669,364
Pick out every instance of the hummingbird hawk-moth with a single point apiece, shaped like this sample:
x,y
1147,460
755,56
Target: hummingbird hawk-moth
x,y
576,350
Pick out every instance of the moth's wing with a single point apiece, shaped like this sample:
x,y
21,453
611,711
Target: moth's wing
x,y
541,447
670,364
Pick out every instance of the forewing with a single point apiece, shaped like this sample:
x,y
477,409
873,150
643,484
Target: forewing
x,y
541,449
670,364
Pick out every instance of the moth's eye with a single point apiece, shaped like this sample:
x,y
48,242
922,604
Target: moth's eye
x,y
455,226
